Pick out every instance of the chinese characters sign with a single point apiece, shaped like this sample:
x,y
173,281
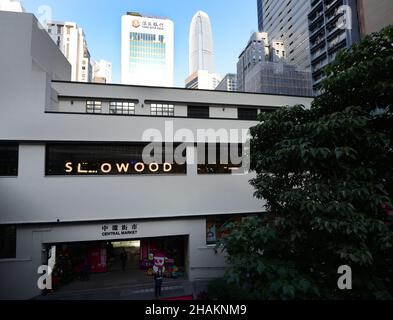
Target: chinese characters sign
x,y
148,25
113,230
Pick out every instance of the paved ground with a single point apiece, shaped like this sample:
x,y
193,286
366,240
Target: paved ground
x,y
128,285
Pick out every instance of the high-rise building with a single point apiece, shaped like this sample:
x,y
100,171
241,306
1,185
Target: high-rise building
x,y
102,71
203,79
287,20
72,42
333,25
201,54
262,68
11,5
374,15
260,15
229,83
147,50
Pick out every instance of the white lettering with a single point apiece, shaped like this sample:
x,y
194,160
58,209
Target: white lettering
x,y
153,167
45,281
345,281
167,167
122,167
106,167
68,166
139,167
80,170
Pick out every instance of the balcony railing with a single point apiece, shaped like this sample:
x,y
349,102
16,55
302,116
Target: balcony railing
x,y
336,41
316,17
331,4
317,53
319,65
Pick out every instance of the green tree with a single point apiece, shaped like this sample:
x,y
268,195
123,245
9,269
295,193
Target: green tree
x,y
324,172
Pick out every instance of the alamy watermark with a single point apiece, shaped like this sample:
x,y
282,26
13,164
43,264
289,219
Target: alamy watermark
x,y
44,282
345,281
344,22
186,146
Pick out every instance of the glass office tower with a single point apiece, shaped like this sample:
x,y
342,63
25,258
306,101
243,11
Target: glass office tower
x,y
287,20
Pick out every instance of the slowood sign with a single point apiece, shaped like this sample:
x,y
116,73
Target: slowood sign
x,y
81,168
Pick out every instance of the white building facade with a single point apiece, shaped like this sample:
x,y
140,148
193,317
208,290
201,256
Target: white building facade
x,y
147,50
55,188
72,42
11,5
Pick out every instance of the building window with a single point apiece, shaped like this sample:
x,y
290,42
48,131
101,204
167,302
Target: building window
x,y
93,159
93,106
7,242
198,112
157,109
119,107
247,114
220,158
9,153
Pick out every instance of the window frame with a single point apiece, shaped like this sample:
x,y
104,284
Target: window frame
x,y
94,105
12,241
198,112
122,107
13,147
94,154
218,168
162,109
245,114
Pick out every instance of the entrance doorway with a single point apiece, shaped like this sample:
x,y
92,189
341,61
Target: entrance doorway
x,y
105,264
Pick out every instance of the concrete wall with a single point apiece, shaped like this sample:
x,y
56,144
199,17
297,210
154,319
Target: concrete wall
x,y
374,15
33,197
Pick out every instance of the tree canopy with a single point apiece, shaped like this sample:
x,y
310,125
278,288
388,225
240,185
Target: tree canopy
x,y
326,173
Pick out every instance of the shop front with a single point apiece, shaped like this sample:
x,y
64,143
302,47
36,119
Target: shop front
x,y
116,262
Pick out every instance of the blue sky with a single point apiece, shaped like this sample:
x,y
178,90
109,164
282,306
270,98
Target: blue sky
x,y
233,21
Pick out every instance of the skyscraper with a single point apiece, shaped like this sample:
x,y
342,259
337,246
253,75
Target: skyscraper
x,y
147,50
72,42
287,20
262,68
260,15
229,83
333,26
201,54
201,44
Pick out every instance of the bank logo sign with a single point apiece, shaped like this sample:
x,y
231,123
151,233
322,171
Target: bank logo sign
x,y
147,24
